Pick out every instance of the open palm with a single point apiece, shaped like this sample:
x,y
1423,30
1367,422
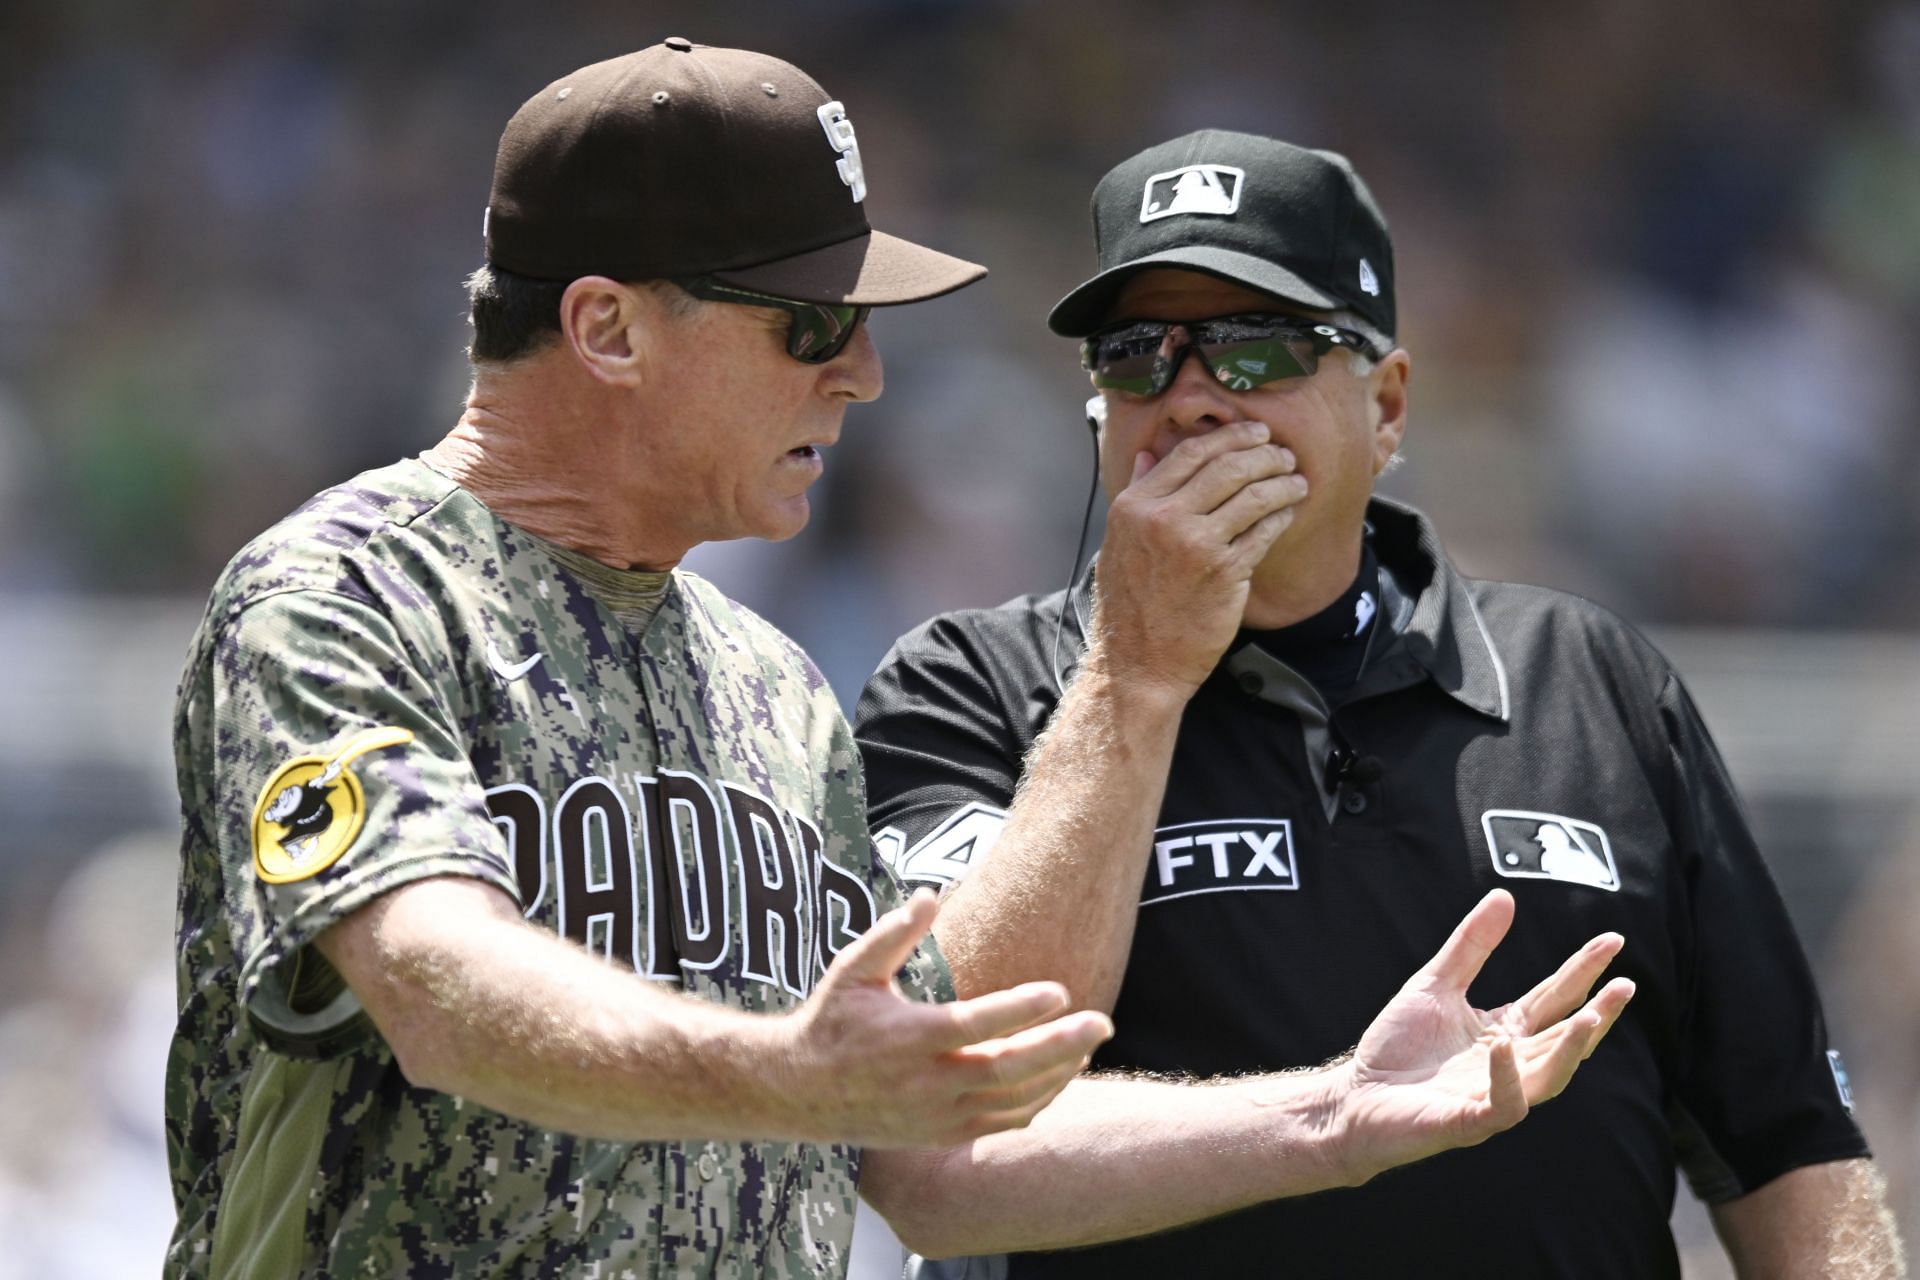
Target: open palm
x,y
1433,1072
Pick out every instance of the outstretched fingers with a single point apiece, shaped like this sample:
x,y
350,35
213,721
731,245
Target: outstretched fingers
x,y
1560,994
1507,1100
1609,1004
876,955
1552,1056
1009,1060
1460,958
1034,1089
999,1014
1003,1084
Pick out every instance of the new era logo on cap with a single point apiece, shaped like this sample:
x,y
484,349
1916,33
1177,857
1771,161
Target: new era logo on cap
x,y
1196,188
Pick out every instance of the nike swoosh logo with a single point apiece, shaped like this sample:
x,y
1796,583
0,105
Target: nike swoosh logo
x,y
509,671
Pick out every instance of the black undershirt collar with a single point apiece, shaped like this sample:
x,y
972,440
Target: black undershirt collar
x,y
1330,648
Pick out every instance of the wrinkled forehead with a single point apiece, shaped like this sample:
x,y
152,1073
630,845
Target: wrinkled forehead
x,y
1163,293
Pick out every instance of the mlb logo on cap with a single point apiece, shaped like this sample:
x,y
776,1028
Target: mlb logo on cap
x,y
1287,221
1197,188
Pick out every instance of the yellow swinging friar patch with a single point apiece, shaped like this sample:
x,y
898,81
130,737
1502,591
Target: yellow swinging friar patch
x,y
312,809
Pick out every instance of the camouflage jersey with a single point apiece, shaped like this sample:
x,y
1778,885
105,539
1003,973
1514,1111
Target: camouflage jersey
x,y
393,684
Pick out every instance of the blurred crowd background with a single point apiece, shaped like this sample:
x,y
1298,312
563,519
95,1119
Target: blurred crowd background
x,y
1659,270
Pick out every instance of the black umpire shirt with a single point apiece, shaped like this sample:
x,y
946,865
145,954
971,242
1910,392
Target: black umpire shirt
x,y
1308,858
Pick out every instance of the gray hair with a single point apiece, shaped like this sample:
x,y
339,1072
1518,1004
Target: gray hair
x,y
514,315
1358,361
1362,364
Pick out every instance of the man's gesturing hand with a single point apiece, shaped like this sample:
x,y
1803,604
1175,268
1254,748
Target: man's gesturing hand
x,y
1433,1073
1182,541
872,1067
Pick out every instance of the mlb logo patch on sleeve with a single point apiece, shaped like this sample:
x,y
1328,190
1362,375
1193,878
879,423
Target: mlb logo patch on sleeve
x,y
1546,846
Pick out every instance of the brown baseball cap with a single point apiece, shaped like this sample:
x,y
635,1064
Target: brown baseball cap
x,y
685,160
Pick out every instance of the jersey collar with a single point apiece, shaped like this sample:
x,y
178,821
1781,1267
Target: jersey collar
x,y
1444,633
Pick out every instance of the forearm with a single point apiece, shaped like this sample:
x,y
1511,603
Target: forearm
x,y
527,1024
1056,896
1829,1221
1114,1158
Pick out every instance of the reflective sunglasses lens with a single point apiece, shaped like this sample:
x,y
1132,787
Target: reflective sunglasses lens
x,y
1248,363
820,331
1129,360
1240,353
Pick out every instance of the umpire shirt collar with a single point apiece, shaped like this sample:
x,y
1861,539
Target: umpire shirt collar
x,y
1438,628
1433,630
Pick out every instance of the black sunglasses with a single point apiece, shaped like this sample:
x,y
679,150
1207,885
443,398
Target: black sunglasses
x,y
1242,352
816,331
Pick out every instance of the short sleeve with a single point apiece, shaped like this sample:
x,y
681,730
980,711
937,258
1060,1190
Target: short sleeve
x,y
943,755
854,895
336,775
1757,1092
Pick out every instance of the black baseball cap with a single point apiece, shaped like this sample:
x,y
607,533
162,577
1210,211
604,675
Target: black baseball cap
x,y
684,160
1289,221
